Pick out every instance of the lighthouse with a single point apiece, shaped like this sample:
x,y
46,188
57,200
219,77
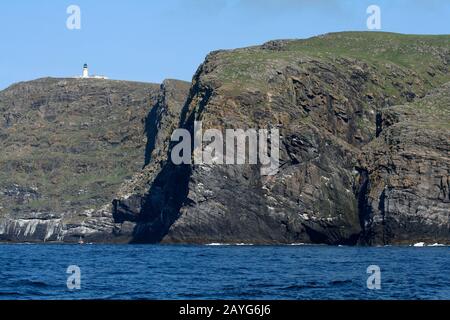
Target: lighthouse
x,y
85,71
85,74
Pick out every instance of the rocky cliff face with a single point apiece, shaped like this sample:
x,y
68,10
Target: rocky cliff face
x,y
405,173
364,151
352,171
67,146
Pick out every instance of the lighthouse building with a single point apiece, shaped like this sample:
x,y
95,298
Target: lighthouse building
x,y
85,74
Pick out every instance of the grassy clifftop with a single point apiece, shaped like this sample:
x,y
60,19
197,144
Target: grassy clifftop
x,y
425,57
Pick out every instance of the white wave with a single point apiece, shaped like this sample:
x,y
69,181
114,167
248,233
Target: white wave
x,y
422,244
419,244
229,244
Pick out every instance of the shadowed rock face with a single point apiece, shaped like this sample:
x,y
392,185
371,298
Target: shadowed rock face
x,y
137,208
67,146
332,98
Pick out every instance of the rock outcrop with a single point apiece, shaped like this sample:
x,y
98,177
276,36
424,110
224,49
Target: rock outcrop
x,y
331,98
67,146
405,173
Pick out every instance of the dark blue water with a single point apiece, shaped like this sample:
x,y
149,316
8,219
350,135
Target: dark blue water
x,y
223,272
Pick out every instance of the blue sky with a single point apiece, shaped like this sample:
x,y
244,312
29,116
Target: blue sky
x,y
150,40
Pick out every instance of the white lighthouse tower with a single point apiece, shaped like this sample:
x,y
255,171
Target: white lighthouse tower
x,y
85,71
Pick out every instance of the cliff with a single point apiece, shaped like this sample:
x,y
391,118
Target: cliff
x,y
405,180
67,146
329,96
364,152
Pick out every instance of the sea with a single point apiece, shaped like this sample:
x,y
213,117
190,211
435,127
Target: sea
x,y
247,272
